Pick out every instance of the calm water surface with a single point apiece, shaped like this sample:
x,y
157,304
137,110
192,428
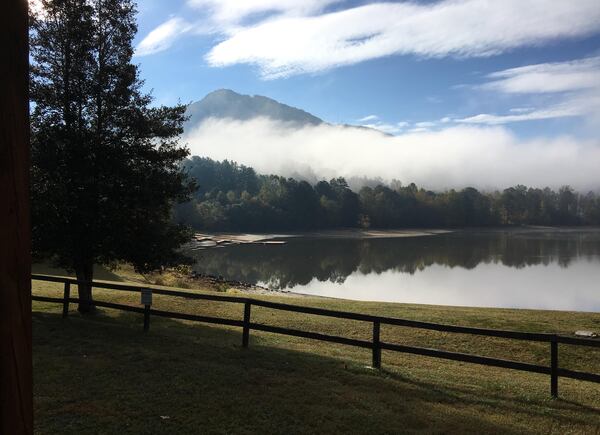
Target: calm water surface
x,y
514,269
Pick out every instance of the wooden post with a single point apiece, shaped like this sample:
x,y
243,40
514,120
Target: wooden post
x,y
376,345
146,318
146,301
66,296
246,333
554,367
16,390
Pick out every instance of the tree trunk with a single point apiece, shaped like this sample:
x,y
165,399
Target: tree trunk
x,y
16,387
85,273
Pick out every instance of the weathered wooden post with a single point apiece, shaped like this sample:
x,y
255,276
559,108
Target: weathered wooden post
x,y
147,303
66,297
246,333
554,367
376,345
16,390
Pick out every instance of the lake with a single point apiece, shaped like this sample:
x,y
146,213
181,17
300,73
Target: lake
x,y
530,268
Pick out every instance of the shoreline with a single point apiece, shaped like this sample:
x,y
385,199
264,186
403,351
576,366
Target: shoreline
x,y
217,239
216,283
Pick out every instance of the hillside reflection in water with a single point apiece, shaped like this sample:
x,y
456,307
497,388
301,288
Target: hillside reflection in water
x,y
551,270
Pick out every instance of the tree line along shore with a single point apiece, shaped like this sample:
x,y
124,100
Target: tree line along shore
x,y
233,197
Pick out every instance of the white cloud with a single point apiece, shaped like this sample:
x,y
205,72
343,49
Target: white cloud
x,y
573,75
233,11
368,118
553,112
457,156
572,88
163,36
419,130
285,45
384,127
223,17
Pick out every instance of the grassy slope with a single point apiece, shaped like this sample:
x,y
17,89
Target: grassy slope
x,y
103,375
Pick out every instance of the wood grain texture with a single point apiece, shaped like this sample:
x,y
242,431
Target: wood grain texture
x,y
16,393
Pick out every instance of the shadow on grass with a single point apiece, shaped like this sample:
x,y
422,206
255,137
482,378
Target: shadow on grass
x,y
505,403
103,375
100,273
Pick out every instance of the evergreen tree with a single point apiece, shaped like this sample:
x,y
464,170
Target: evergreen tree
x,y
105,163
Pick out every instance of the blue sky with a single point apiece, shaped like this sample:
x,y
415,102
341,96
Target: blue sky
x,y
528,70
398,88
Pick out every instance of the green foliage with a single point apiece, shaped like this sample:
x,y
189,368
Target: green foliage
x,y
233,197
106,164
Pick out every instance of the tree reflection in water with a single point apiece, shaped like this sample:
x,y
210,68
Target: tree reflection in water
x,y
302,260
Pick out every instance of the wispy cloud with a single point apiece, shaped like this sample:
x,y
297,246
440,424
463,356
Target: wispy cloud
x,y
425,124
163,36
284,46
223,17
572,89
368,118
555,112
575,75
385,127
234,11
288,37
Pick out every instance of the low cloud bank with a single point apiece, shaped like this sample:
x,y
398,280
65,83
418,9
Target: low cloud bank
x,y
481,156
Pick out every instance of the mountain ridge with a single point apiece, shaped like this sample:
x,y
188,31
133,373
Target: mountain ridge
x,y
225,103
228,104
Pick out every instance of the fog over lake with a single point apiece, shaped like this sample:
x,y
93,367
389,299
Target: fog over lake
x,y
558,270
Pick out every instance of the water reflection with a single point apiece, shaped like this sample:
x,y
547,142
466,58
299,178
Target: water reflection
x,y
426,269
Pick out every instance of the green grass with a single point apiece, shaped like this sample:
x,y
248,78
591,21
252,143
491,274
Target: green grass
x,y
101,374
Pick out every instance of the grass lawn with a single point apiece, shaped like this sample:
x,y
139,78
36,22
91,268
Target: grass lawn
x,y
102,374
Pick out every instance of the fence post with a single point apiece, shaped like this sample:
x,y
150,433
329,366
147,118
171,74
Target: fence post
x,y
66,297
554,367
146,296
376,345
246,333
146,318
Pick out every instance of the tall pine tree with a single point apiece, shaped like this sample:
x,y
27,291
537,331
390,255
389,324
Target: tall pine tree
x,y
105,162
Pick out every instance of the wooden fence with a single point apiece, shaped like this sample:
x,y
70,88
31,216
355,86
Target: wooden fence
x,y
376,345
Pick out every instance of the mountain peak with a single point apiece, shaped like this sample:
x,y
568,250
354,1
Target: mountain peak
x,y
225,103
222,93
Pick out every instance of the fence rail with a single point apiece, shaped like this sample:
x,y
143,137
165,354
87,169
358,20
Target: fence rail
x,y
376,345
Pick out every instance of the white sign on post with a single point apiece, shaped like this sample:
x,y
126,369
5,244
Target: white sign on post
x,y
146,296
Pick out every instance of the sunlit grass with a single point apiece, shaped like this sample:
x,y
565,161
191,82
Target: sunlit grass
x,y
102,374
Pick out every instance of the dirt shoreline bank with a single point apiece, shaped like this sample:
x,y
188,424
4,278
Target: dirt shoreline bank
x,y
225,238
212,239
220,284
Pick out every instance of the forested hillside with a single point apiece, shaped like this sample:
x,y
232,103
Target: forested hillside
x,y
234,197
